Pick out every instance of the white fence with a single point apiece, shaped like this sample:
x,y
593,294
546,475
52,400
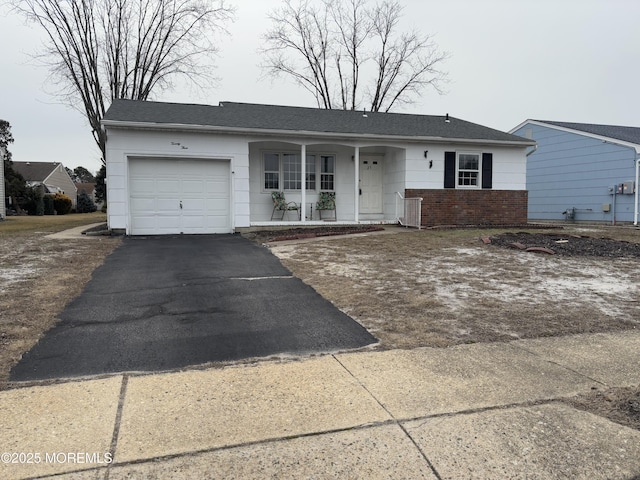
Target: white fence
x,y
408,211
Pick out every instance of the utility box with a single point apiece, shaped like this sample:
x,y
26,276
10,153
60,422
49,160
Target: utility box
x,y
606,207
628,188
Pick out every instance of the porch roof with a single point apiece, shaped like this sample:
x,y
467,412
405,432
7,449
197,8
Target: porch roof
x,y
269,119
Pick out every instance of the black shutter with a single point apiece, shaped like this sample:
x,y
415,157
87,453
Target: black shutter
x,y
487,170
449,169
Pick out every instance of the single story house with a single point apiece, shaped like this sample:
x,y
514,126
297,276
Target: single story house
x,y
582,172
182,168
52,175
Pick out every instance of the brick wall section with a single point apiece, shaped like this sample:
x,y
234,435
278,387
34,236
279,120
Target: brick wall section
x,y
471,207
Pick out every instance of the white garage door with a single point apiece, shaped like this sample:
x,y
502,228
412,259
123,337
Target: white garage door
x,y
187,196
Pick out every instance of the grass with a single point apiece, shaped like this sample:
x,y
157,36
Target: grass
x,y
47,223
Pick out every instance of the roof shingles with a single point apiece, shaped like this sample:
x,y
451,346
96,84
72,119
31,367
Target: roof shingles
x,y
300,119
35,171
626,134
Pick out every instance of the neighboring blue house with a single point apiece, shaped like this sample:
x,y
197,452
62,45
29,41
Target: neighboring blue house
x,y
582,172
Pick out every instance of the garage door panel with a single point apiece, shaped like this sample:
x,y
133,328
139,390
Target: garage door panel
x,y
193,188
159,185
166,186
217,205
142,186
192,206
143,204
167,205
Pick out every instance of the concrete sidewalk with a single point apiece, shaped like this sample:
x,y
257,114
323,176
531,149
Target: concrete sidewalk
x,y
471,411
75,233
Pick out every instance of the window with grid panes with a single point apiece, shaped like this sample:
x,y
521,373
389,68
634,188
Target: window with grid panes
x,y
468,169
271,171
311,172
327,172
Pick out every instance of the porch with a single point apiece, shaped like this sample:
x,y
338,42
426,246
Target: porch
x,y
364,179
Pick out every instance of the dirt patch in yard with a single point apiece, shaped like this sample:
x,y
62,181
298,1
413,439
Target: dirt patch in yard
x,y
620,405
442,288
38,277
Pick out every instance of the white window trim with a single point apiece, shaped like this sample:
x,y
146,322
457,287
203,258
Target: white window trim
x,y
478,186
318,172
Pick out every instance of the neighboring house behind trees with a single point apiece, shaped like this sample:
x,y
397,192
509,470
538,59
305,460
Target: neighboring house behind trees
x,y
581,172
177,168
52,175
88,188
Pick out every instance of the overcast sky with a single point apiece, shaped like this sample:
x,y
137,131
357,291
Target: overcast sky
x,y
566,60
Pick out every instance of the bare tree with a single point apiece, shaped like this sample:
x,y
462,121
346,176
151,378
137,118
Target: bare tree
x,y
100,50
350,55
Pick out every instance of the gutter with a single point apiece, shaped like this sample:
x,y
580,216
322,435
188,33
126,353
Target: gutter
x,y
305,133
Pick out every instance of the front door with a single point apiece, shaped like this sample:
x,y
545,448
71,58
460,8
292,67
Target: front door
x,y
371,185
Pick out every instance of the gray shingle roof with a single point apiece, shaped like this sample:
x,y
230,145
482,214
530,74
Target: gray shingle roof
x,y
299,119
626,134
34,171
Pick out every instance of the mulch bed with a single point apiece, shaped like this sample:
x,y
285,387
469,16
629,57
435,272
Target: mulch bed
x,y
308,232
568,245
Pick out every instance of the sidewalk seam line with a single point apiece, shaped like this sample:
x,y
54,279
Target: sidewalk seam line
x,y
395,420
378,424
551,362
116,426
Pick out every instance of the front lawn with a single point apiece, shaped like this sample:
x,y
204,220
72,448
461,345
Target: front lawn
x,y
48,223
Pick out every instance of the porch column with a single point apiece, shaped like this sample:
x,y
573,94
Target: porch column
x,y
356,192
303,190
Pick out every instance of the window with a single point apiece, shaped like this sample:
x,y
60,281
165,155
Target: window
x,y
282,171
291,171
468,169
311,172
271,171
327,172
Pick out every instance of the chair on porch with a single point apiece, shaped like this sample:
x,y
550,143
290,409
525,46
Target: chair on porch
x,y
327,201
281,205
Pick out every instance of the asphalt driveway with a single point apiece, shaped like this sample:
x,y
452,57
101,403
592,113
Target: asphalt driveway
x,y
161,303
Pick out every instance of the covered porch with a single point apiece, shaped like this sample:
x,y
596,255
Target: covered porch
x,y
365,180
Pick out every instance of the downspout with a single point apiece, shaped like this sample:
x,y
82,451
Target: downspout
x,y
303,190
635,187
636,151
356,189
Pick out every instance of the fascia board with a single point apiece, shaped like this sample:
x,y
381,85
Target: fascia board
x,y
305,133
579,132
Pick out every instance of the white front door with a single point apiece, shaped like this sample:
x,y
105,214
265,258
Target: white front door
x,y
370,184
169,196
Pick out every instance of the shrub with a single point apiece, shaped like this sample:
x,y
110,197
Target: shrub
x,y
48,205
85,204
33,202
62,203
